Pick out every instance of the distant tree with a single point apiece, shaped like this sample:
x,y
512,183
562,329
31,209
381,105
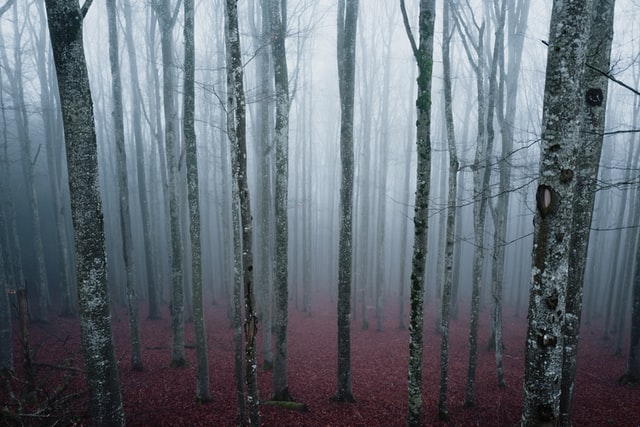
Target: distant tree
x,y
594,92
202,382
166,21
52,123
516,24
123,187
564,98
101,369
423,53
236,107
21,117
347,25
149,251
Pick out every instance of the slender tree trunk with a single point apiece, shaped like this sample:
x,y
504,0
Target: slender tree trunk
x,y
21,116
6,334
123,187
451,213
136,124
277,18
166,21
553,225
237,133
347,24
65,29
423,53
202,360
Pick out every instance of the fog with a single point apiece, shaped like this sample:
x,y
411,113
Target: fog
x,y
385,159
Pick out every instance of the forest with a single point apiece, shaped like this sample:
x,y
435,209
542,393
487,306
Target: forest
x,y
319,213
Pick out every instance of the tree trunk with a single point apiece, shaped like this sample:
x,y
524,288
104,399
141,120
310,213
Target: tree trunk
x,y
347,24
277,18
21,117
149,250
553,224
123,187
65,29
237,133
189,132
166,23
423,53
451,214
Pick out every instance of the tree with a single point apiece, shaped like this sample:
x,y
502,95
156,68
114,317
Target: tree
x,y
237,132
587,164
166,21
278,20
136,123
123,187
65,29
553,223
423,53
517,21
632,371
202,360
21,117
451,213
346,50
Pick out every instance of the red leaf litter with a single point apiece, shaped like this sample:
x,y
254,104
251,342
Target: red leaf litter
x,y
164,396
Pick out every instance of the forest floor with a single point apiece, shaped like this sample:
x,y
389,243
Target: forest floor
x,y
164,396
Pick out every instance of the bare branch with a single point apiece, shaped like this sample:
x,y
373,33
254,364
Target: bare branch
x,y
6,6
407,27
85,8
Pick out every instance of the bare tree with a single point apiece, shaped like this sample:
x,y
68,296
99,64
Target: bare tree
x,y
347,25
166,21
123,187
65,29
555,199
423,53
237,131
202,360
587,164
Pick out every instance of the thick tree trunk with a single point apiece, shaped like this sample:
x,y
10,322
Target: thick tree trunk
x,y
65,29
423,53
347,24
587,163
553,224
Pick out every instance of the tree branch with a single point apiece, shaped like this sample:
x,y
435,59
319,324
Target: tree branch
x,y
85,8
6,6
407,27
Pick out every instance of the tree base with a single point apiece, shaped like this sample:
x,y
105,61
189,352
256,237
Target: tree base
x,y
344,398
628,380
178,363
